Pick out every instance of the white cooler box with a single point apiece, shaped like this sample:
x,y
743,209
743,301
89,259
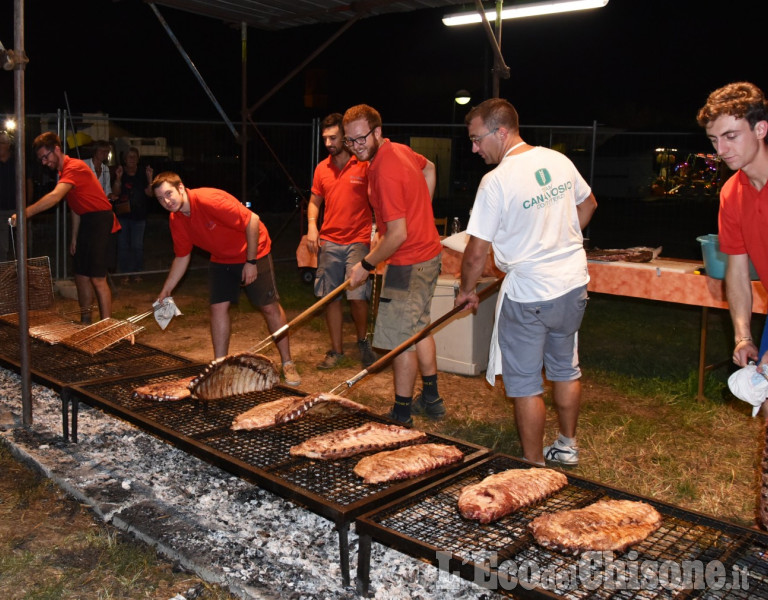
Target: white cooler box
x,y
462,344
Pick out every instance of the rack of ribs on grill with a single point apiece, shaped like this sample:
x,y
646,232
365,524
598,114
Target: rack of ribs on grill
x,y
291,408
407,462
502,493
356,440
177,389
638,254
235,374
604,525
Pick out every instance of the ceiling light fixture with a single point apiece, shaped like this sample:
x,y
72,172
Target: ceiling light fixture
x,y
525,10
462,97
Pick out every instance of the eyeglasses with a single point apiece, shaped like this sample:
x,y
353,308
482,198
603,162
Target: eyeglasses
x,y
476,139
358,141
45,156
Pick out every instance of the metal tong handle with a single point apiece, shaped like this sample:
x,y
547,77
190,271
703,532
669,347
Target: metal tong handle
x,y
276,335
416,337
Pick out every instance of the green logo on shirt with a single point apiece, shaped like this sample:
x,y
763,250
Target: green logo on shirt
x,y
543,177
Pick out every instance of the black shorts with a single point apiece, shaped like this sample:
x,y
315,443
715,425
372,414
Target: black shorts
x,y
96,244
226,280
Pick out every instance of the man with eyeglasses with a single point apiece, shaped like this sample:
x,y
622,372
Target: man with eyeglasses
x,y
340,185
400,187
531,208
94,224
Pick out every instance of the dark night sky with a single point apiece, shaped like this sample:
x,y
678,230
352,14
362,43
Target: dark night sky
x,y
638,64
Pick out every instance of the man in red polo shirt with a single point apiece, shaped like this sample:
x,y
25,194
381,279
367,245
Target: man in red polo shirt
x,y
735,118
94,225
341,185
400,187
239,245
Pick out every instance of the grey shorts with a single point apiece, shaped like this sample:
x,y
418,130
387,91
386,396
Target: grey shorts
x,y
533,335
405,302
334,262
226,280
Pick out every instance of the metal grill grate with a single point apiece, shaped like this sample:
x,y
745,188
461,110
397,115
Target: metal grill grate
x,y
58,365
263,455
429,521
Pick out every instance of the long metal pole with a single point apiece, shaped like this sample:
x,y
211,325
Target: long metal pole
x,y
243,108
195,72
21,178
304,63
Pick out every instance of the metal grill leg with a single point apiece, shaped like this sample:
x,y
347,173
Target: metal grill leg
x,y
65,414
364,565
75,408
344,551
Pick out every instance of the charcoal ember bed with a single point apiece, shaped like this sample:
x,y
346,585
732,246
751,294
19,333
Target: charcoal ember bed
x,y
223,527
428,522
328,488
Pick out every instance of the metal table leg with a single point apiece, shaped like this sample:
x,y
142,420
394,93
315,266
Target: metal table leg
x,y
343,529
364,565
702,353
75,407
65,414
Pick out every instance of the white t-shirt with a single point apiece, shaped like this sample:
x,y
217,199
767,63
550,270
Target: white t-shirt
x,y
526,207
104,179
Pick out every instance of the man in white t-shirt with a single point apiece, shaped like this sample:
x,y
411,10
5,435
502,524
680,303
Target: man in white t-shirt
x,y
531,208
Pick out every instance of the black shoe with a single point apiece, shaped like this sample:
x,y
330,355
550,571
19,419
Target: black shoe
x,y
407,422
331,360
434,409
367,356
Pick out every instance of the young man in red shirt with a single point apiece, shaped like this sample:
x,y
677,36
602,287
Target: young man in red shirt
x,y
400,187
735,118
239,245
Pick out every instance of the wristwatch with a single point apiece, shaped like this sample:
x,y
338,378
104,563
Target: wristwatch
x,y
251,261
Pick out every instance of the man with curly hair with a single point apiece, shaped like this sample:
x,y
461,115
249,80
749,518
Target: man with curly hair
x,y
735,118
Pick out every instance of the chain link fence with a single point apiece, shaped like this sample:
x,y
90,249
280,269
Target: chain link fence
x,y
648,185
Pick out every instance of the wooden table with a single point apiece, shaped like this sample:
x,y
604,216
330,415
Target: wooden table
x,y
670,280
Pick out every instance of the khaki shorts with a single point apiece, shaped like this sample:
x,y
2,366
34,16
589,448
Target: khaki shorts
x,y
334,262
405,301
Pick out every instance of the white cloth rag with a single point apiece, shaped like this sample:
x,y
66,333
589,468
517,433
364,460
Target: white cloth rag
x,y
165,311
750,385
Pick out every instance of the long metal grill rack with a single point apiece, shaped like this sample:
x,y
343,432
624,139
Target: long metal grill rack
x,y
327,488
689,556
56,366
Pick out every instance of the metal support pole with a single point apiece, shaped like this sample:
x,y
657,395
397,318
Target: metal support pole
x,y
21,239
195,72
243,108
306,61
500,69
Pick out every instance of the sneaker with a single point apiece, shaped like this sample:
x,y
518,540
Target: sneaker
x,y
290,374
559,452
434,410
331,360
367,356
391,415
